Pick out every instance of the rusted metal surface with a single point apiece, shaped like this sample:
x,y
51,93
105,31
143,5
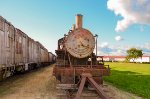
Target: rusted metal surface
x,y
80,43
75,56
78,95
88,76
68,75
78,21
95,71
98,88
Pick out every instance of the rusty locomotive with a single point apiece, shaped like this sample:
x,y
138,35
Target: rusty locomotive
x,y
19,52
76,63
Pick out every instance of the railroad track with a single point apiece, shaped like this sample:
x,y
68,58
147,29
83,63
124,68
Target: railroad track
x,y
88,93
79,91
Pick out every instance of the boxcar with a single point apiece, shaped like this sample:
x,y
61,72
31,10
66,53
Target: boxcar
x,y
32,50
19,52
52,57
7,43
44,55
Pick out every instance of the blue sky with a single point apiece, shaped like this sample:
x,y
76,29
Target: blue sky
x,y
48,20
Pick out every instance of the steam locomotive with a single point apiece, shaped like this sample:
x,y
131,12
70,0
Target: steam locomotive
x,y
76,59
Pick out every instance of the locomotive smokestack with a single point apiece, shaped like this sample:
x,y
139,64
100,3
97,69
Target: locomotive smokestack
x,y
78,21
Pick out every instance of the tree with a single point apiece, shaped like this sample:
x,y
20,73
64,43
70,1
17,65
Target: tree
x,y
133,54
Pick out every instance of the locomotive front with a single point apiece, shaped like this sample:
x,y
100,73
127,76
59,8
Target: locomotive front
x,y
80,43
75,56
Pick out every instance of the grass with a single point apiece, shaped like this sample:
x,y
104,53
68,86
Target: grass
x,y
131,77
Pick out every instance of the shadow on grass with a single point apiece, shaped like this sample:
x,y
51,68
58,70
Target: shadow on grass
x,y
132,82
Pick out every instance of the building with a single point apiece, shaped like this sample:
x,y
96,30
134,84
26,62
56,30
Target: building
x,y
114,58
122,58
141,59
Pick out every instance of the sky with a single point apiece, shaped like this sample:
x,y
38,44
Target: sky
x,y
120,24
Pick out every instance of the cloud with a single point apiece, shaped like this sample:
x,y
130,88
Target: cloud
x,y
118,52
147,46
103,44
111,51
118,38
121,49
101,53
132,11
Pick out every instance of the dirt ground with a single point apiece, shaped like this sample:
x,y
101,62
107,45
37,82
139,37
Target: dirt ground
x,y
40,84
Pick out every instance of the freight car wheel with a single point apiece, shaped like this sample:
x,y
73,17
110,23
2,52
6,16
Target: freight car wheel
x,y
1,75
7,73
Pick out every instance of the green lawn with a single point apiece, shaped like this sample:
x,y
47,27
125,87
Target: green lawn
x,y
131,77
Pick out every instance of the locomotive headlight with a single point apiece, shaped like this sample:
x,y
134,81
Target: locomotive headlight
x,y
80,43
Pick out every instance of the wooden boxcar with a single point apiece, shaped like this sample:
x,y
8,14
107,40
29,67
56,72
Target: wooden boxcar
x,y
52,57
7,49
19,52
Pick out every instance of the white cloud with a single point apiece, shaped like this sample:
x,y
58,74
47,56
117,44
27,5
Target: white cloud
x,y
121,49
118,38
101,53
132,11
118,53
145,46
117,50
103,44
